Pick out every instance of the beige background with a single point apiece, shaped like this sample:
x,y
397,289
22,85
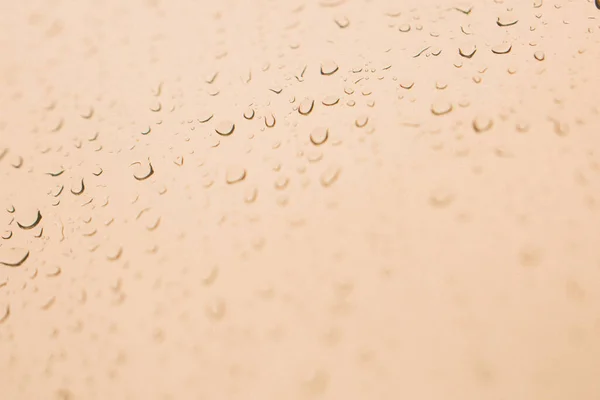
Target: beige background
x,y
429,230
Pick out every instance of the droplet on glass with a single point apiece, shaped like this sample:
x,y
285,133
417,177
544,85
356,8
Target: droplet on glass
x,y
467,51
235,174
404,28
441,108
328,68
319,135
506,20
503,48
306,106
330,100
270,121
249,113
441,198
539,55
361,121
13,256
225,128
216,309
330,176
342,22
482,124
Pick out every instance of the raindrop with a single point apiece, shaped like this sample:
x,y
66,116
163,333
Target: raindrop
x,y
482,124
306,106
404,28
144,175
225,128
211,277
329,68
539,55
330,100
441,198
503,48
330,176
249,113
205,117
467,51
235,174
506,20
319,135
342,22
32,223
270,121
441,108
361,121
281,183
216,310
78,188
14,256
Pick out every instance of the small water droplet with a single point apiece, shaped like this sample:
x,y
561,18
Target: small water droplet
x,y
441,198
503,48
225,128
306,106
361,121
216,309
482,124
249,113
13,256
539,55
404,28
467,51
270,121
330,100
329,68
342,22
330,176
235,174
441,108
319,135
507,20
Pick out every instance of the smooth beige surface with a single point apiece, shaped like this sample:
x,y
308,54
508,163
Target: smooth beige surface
x,y
278,199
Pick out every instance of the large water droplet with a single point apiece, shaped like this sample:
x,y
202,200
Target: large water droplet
x,y
306,106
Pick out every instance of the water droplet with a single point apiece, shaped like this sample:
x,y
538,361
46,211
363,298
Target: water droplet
x,y
467,51
13,256
250,195
225,128
482,124
249,113
30,221
281,183
4,312
319,135
404,28
235,174
270,121
306,106
539,55
507,20
216,309
143,173
503,48
329,68
317,383
330,100
342,22
441,198
211,276
361,121
441,108
330,176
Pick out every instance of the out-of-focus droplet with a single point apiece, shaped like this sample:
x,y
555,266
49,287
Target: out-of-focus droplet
x,y
317,383
216,309
328,67
330,176
361,121
235,174
441,108
4,312
482,124
441,198
342,22
211,276
330,100
319,135
225,128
